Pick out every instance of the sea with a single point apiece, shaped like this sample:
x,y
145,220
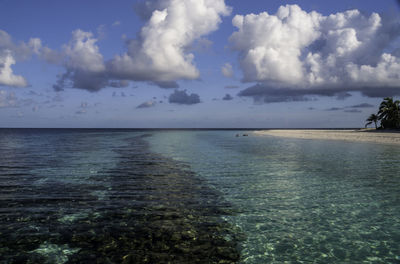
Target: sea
x,y
195,196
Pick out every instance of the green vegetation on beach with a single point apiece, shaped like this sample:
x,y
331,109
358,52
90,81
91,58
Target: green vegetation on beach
x,y
388,115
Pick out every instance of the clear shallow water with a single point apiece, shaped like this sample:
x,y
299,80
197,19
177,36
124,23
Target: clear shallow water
x,y
299,201
87,196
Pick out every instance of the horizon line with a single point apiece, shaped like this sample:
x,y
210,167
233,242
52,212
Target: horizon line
x,y
186,128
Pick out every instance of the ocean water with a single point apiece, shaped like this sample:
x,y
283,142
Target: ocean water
x,y
131,196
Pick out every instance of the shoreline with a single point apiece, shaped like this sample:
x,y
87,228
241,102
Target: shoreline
x,y
363,135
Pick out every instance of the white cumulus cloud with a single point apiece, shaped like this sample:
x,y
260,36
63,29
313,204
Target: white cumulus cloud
x,y
7,77
83,53
227,70
160,55
10,53
295,49
85,67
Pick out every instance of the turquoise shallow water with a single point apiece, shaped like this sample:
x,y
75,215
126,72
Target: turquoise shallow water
x,y
299,201
129,196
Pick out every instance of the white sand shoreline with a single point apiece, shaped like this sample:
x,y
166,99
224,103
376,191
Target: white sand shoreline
x,y
381,137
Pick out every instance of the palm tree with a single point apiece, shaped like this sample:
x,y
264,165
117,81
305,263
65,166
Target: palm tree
x,y
372,118
389,113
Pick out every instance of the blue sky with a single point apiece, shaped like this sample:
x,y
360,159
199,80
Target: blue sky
x,y
177,63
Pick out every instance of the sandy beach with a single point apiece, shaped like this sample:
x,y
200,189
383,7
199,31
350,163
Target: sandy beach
x,y
346,135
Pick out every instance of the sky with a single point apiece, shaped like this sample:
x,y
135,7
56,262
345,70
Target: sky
x,y
197,63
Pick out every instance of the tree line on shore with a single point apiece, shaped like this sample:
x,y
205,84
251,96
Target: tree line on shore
x,y
388,115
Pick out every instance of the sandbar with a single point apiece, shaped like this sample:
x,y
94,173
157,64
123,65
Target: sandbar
x,y
355,135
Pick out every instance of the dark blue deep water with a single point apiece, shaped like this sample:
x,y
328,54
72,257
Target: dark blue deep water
x,y
131,196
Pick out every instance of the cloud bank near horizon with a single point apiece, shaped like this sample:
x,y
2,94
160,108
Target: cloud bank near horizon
x,y
183,98
292,54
